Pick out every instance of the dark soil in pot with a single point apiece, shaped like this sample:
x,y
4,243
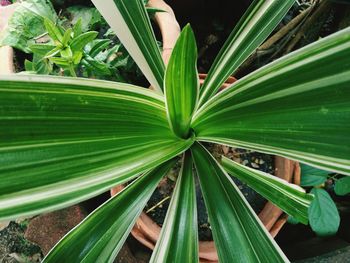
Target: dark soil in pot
x,y
158,204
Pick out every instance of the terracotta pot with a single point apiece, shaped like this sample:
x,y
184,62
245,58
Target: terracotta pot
x,y
147,232
6,53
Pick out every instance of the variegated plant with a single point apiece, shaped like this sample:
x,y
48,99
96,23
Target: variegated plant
x,y
64,140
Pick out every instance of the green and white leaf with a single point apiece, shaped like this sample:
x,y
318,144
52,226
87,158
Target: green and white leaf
x,y
311,176
254,27
323,214
129,20
297,107
289,197
178,241
342,186
182,83
64,140
239,235
102,234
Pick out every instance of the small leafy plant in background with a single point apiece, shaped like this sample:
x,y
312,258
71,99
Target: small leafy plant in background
x,y
323,214
65,49
67,45
64,140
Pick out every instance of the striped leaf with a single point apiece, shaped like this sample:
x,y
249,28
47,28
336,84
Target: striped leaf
x,y
238,234
290,198
182,83
178,240
101,235
129,20
254,27
64,140
297,107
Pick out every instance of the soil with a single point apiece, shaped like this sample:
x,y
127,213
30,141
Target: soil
x,y
15,248
158,204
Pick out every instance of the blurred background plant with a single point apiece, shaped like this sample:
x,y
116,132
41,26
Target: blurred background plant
x,y
73,42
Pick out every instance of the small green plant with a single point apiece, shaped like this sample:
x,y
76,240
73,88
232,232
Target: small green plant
x,y
64,140
66,45
66,50
323,214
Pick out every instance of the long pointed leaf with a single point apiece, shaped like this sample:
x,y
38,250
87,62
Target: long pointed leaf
x,y
297,107
253,28
129,19
178,240
101,235
182,83
290,198
238,234
63,140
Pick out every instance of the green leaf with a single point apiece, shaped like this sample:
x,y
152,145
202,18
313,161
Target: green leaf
x,y
182,83
129,20
67,53
101,235
64,140
28,65
290,198
311,176
178,241
41,65
61,62
53,31
254,27
239,235
89,17
342,186
27,23
67,37
297,107
42,8
78,28
77,56
78,43
323,214
96,66
98,45
53,52
41,49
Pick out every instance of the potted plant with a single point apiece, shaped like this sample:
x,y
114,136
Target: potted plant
x,y
146,230
86,136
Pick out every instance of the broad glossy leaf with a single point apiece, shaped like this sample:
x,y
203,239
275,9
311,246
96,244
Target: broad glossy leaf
x,y
290,198
178,241
129,19
254,27
297,107
101,235
239,235
64,140
323,214
182,83
311,176
342,186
